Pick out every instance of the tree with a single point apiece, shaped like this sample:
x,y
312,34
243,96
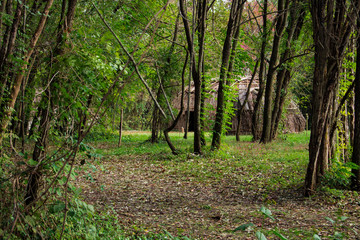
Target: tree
x,y
255,117
9,106
331,30
284,68
196,63
229,46
355,181
47,101
280,26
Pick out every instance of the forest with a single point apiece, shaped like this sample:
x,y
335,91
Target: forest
x,y
180,119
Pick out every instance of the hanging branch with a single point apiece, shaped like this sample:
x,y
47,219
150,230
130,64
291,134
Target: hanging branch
x,y
19,77
341,104
163,90
171,127
132,60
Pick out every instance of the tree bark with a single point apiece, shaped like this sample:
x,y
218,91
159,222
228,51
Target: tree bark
x,y
235,15
255,116
355,180
19,77
280,26
242,106
196,65
284,75
331,36
121,126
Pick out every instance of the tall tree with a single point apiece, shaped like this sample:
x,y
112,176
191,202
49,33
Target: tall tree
x,y
255,129
229,46
196,63
355,181
47,101
296,19
9,106
280,26
331,21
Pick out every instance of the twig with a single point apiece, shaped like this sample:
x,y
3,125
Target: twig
x,y
163,90
132,60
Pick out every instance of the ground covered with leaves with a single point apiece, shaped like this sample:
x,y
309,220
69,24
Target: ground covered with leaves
x,y
245,191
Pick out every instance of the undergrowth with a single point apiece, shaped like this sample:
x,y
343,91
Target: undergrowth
x,y
264,170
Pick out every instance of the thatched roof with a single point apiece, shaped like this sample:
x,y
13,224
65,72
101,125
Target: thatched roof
x,y
294,120
241,84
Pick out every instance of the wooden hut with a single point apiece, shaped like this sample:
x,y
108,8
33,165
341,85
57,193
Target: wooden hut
x,y
293,121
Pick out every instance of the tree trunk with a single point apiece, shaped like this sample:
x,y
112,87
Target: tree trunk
x,y
280,26
121,126
196,66
19,77
255,116
235,15
355,180
202,107
7,48
296,20
156,121
330,38
171,127
39,152
242,106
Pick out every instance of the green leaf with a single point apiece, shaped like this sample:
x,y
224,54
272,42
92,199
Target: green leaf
x,y
260,236
343,218
316,237
71,213
91,208
32,162
330,220
282,237
338,235
57,207
243,227
267,212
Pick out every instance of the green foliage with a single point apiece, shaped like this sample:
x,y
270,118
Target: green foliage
x,y
339,174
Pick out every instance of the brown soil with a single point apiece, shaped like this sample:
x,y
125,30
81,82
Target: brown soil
x,y
150,198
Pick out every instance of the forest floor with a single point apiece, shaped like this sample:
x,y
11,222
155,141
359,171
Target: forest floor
x,y
209,196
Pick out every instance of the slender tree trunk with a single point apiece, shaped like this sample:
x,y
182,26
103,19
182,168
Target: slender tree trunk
x,y
39,152
255,116
171,127
330,39
196,66
202,107
156,120
2,11
19,77
7,48
280,25
235,14
355,180
242,106
296,20
121,126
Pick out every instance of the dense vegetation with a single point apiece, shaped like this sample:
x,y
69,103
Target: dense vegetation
x,y
74,74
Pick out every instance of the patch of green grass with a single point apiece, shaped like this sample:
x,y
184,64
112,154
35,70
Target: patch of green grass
x,y
240,161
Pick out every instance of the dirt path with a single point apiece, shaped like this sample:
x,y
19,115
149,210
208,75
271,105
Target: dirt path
x,y
149,197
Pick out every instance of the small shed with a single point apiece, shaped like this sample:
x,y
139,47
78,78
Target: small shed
x,y
293,121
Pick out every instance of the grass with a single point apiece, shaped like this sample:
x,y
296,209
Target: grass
x,y
207,196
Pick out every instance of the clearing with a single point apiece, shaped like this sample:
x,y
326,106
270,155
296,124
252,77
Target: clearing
x,y
207,197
